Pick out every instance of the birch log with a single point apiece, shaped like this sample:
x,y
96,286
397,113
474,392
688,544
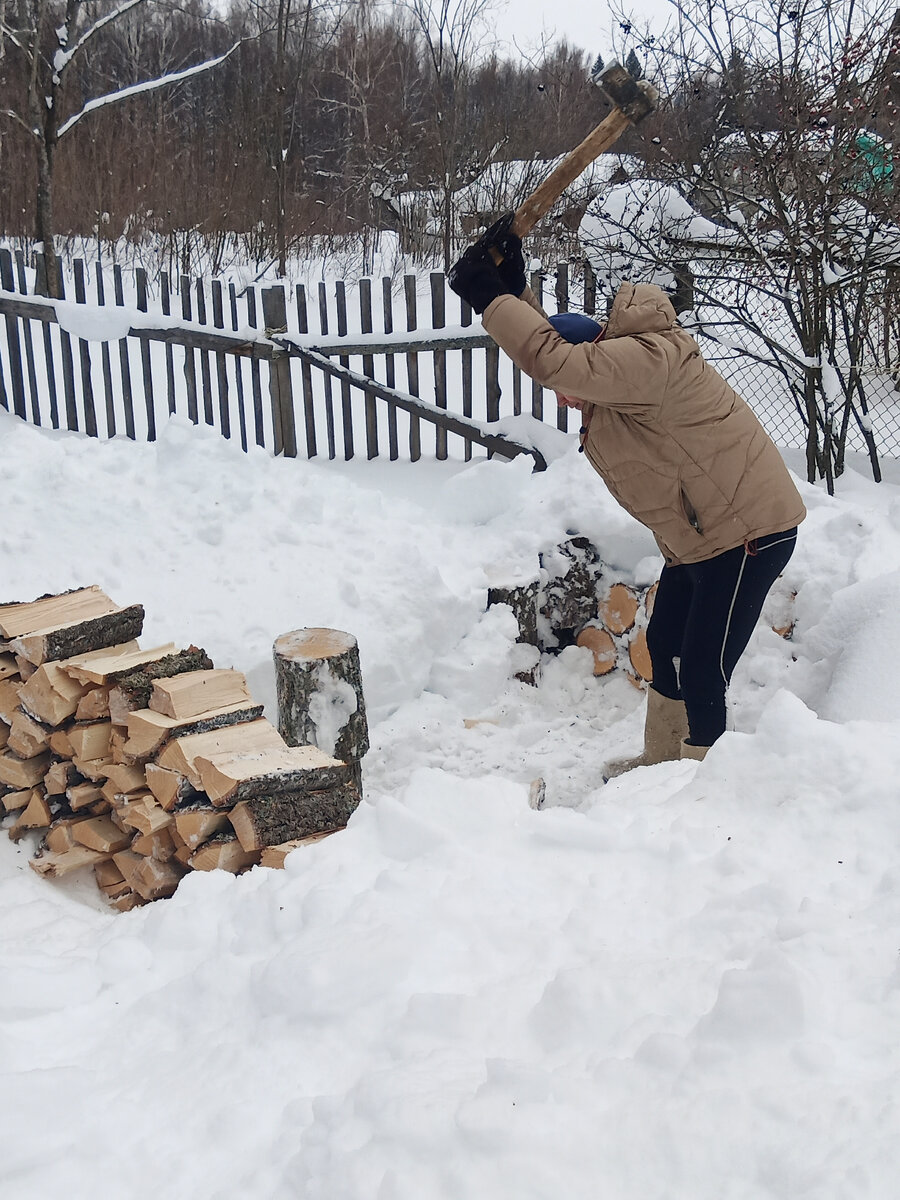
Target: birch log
x,y
320,696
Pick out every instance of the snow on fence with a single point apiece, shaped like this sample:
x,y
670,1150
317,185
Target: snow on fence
x,y
329,369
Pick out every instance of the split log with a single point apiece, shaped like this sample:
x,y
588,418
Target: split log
x,y
60,836
223,854
108,874
155,845
80,604
36,816
133,690
227,778
169,787
18,772
60,744
27,737
197,825
179,754
25,668
127,901
65,641
83,795
183,852
8,665
640,656
4,734
10,692
602,646
93,705
14,801
150,878
144,815
91,741
274,856
270,820
125,779
99,833
199,692
113,891
149,730
320,695
619,609
117,739
92,768
104,667
51,695
54,866
60,777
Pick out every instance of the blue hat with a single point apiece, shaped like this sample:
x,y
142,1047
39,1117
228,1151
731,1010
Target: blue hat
x,y
575,327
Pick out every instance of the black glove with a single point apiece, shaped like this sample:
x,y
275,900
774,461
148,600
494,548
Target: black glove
x,y
475,278
512,269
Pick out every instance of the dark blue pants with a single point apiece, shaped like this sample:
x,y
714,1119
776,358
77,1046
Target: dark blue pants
x,y
703,616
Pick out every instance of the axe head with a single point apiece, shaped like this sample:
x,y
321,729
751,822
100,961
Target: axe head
x,y
635,97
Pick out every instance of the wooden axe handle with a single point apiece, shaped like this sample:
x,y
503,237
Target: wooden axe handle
x,y
542,199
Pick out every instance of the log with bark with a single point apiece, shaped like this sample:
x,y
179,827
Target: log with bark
x,y
197,824
180,754
269,820
78,605
64,641
198,693
170,788
319,688
148,731
228,777
223,853
134,689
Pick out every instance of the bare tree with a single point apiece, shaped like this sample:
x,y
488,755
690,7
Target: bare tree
x,y
452,33
788,210
52,41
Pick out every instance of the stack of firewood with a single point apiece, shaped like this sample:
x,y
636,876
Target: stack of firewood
x,y
146,763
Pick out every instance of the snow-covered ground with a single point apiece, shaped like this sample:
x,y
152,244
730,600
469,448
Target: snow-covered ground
x,y
682,986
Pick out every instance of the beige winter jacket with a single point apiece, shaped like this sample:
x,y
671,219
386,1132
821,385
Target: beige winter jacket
x,y
676,446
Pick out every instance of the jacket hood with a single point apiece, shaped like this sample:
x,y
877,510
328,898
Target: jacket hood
x,y
640,308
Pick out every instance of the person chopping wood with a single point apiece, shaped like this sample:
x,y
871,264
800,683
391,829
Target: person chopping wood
x,y
681,452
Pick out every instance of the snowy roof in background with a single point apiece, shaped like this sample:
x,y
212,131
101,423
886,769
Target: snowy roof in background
x,y
518,176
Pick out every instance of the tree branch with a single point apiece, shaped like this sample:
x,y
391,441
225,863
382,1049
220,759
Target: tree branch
x,y
136,89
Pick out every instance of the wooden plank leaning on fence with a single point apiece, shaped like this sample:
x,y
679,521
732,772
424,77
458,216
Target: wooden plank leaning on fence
x,y
279,353
494,443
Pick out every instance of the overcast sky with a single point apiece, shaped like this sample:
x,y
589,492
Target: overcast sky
x,y
584,23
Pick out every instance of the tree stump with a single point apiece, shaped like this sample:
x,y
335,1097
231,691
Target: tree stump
x,y
320,696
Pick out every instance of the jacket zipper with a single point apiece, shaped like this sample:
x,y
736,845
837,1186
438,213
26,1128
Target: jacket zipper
x,y
690,512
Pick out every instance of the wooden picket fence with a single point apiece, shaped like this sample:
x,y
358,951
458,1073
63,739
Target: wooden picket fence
x,y
248,363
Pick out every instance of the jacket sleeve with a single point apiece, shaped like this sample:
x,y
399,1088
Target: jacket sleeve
x,y
628,374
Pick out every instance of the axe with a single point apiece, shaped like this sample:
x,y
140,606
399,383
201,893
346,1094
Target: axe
x,y
633,99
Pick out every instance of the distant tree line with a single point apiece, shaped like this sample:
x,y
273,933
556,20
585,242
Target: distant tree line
x,y
323,113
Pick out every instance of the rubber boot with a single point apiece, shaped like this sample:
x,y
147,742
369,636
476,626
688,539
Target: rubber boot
x,y
695,752
665,728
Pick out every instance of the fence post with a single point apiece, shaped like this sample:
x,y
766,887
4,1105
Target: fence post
x,y
365,319
562,287
438,321
12,338
340,298
412,367
84,355
274,306
590,289
387,305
